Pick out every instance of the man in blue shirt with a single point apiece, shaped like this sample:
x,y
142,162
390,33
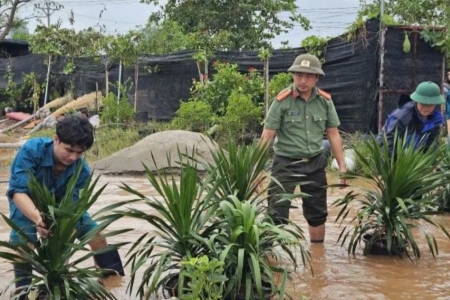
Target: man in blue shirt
x,y
447,101
53,162
418,118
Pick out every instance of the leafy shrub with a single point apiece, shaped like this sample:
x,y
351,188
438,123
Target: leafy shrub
x,y
278,83
116,111
241,114
205,278
216,92
227,79
193,115
254,86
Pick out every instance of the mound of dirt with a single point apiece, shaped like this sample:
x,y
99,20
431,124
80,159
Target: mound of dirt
x,y
161,148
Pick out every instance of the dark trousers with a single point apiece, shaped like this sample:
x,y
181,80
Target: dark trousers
x,y
310,176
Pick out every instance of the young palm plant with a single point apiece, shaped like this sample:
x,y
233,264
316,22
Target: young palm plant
x,y
403,190
238,168
444,197
242,246
181,217
55,260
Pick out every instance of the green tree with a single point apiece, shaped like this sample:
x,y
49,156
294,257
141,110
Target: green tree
x,y
164,38
120,48
8,15
20,32
249,23
56,41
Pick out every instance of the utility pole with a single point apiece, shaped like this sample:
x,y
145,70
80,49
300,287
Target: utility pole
x,y
48,8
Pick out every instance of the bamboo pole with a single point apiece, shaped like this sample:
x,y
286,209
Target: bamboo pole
x,y
83,101
10,145
55,103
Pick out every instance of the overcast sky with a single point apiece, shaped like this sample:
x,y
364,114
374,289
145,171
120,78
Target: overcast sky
x,y
328,17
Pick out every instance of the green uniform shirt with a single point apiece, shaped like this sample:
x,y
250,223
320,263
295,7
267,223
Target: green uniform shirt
x,y
300,125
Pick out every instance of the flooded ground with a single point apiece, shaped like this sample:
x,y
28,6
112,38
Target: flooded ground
x,y
337,275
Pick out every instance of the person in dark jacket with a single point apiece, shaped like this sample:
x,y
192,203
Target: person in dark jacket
x,y
419,119
447,101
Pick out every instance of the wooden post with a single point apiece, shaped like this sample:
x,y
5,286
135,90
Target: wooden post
x,y
106,80
266,87
120,81
96,98
200,75
136,81
48,79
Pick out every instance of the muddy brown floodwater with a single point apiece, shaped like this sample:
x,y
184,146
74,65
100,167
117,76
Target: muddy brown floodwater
x,y
336,274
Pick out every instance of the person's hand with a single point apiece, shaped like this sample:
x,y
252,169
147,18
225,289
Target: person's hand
x,y
343,180
41,228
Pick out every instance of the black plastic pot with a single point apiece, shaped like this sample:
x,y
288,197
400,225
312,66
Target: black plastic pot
x,y
267,290
170,286
379,246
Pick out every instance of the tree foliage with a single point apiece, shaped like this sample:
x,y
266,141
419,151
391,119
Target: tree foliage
x,y
56,41
8,15
162,38
250,23
426,13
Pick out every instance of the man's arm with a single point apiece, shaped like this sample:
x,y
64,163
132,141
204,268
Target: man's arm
x,y
18,191
27,207
267,137
336,147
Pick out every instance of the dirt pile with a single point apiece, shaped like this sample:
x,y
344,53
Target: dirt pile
x,y
157,147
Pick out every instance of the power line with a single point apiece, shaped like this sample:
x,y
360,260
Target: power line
x,y
102,19
98,3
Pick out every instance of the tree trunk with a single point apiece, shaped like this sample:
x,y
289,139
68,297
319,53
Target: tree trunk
x,y
206,70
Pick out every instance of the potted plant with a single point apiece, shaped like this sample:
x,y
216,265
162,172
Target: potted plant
x,y
399,191
181,217
57,274
444,166
242,246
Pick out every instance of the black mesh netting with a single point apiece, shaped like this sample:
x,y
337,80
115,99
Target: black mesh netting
x,y
351,68
404,71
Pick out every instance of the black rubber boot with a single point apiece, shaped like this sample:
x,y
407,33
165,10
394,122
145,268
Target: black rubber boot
x,y
110,261
22,272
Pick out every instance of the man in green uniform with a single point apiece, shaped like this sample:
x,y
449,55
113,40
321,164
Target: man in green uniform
x,y
297,120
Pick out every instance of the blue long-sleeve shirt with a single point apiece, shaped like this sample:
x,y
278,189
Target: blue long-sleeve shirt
x,y
36,155
447,100
421,131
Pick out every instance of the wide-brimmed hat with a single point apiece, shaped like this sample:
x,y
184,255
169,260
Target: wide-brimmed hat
x,y
307,63
428,93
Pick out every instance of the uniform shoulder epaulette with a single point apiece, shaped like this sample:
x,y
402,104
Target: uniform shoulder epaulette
x,y
284,94
324,94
